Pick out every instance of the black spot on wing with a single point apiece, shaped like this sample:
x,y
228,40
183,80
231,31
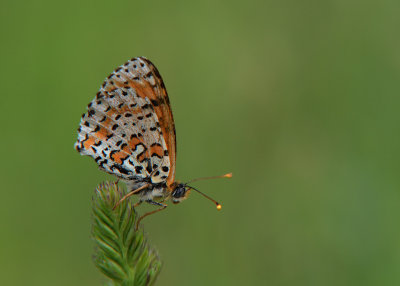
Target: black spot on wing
x,y
155,71
121,169
138,169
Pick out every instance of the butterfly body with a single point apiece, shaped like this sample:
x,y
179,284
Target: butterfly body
x,y
160,192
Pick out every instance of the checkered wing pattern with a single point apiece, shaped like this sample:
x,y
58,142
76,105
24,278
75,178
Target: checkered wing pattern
x,y
129,128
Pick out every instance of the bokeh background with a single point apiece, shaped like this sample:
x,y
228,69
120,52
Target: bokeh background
x,y
299,99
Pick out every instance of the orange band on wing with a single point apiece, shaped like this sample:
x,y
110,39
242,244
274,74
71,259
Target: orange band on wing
x,y
119,157
158,150
89,142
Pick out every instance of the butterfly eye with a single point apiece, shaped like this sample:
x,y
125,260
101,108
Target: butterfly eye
x,y
179,192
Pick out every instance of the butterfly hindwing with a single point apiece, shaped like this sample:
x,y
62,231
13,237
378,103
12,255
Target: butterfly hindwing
x,y
128,128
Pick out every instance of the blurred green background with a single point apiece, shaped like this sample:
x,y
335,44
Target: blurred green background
x,y
299,99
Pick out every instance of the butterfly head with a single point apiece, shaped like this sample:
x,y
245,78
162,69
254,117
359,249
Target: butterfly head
x,y
179,193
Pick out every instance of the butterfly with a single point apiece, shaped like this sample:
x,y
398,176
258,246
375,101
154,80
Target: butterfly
x,y
129,130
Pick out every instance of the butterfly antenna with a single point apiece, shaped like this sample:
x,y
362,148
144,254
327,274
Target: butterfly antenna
x,y
211,199
229,175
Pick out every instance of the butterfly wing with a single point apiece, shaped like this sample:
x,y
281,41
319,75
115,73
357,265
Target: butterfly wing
x,y
128,128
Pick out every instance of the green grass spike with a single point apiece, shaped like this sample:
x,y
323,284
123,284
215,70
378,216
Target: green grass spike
x,y
121,252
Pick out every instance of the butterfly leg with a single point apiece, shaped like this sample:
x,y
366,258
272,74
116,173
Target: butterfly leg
x,y
130,194
162,206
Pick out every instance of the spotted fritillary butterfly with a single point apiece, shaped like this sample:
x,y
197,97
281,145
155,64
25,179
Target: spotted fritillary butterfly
x,y
129,131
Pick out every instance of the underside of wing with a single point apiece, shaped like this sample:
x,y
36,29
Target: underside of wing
x,y
128,129
140,75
